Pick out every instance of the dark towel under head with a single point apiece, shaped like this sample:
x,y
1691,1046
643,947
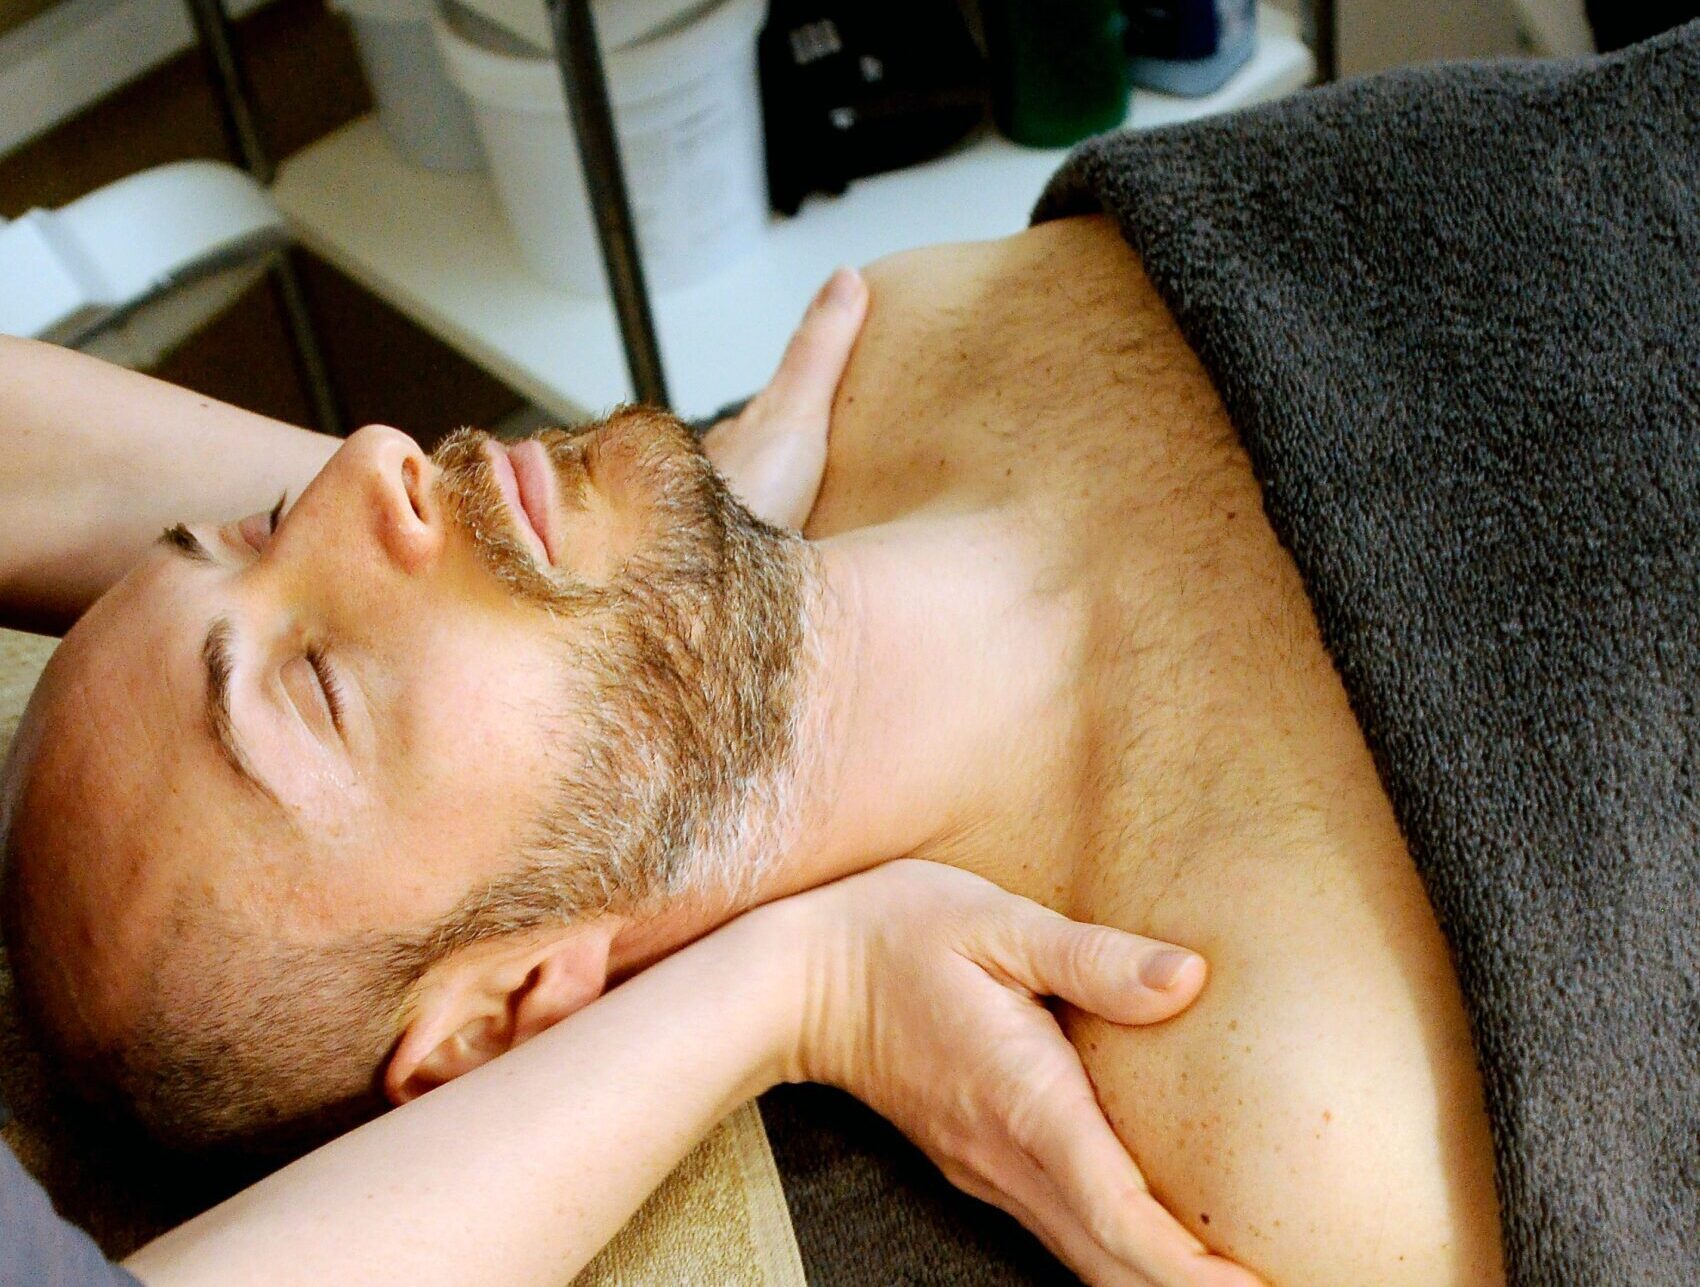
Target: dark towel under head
x,y
1454,314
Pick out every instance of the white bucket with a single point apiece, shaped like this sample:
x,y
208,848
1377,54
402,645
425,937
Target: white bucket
x,y
687,112
424,114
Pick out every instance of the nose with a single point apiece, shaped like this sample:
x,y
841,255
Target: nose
x,y
386,481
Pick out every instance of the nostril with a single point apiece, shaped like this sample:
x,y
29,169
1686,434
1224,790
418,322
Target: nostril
x,y
414,486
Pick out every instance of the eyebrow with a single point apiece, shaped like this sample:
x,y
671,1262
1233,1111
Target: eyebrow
x,y
180,539
218,655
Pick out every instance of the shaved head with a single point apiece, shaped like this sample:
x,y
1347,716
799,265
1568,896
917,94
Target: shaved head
x,y
259,794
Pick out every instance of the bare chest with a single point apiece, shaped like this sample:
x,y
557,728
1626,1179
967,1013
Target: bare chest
x,y
1200,777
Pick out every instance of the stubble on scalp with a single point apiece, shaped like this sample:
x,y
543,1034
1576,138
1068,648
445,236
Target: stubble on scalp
x,y
685,674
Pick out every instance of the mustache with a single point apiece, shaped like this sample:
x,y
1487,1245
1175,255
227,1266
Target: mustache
x,y
473,504
680,521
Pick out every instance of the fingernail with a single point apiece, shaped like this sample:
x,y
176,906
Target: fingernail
x,y
1162,969
840,289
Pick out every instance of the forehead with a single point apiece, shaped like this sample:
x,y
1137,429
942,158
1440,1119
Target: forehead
x,y
468,742
122,792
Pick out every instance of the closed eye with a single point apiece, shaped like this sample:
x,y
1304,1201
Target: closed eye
x,y
331,683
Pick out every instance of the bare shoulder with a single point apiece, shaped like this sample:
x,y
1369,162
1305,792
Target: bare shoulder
x,y
978,359
1059,248
1079,271
1317,1115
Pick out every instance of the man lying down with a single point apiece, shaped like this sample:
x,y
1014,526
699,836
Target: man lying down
x,y
478,733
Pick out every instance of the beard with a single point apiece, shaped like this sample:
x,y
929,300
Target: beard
x,y
684,662
684,657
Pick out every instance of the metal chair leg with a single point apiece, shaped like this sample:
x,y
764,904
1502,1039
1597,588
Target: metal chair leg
x,y
580,59
242,132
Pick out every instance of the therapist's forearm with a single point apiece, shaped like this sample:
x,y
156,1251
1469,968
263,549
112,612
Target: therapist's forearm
x,y
519,1172
95,460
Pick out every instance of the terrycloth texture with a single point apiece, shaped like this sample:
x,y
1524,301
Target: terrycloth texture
x,y
869,1208
1454,314
719,1218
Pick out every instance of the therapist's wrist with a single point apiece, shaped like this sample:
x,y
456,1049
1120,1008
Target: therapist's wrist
x,y
767,952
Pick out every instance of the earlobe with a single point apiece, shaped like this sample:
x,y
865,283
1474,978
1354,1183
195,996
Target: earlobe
x,y
489,999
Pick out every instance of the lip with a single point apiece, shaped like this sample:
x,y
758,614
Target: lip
x,y
508,484
535,476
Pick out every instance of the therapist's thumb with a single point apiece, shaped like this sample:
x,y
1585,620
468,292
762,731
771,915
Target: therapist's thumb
x,y
1125,978
814,361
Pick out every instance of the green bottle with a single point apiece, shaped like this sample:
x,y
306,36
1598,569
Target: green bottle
x,y
1059,69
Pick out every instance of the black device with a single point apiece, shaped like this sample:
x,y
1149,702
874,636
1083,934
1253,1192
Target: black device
x,y
863,86
1617,25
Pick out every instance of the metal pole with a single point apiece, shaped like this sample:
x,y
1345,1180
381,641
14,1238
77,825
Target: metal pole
x,y
247,144
1323,36
580,59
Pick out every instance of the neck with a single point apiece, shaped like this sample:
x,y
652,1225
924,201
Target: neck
x,y
903,746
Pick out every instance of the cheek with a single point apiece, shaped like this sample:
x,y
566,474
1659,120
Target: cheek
x,y
480,725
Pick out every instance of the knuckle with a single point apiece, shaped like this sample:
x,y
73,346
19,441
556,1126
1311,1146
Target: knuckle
x,y
954,1141
1030,1114
969,1158
1086,953
1112,1225
1107,1223
970,1182
1022,1125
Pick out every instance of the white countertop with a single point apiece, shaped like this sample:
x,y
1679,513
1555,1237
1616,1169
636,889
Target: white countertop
x,y
437,247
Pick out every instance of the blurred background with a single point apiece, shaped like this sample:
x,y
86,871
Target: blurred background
x,y
442,258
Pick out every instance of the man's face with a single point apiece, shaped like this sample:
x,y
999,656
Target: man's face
x,y
343,725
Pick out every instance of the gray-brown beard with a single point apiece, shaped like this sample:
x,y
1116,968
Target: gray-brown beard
x,y
685,674
685,671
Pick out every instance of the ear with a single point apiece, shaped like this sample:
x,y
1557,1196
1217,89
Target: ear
x,y
490,998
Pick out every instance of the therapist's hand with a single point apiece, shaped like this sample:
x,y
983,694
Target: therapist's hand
x,y
924,999
773,452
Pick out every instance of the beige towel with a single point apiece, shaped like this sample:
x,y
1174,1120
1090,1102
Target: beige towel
x,y
720,1218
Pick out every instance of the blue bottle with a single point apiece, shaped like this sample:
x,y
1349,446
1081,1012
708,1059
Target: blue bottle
x,y
1188,47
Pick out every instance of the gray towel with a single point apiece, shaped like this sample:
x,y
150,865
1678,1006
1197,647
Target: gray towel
x,y
1454,314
